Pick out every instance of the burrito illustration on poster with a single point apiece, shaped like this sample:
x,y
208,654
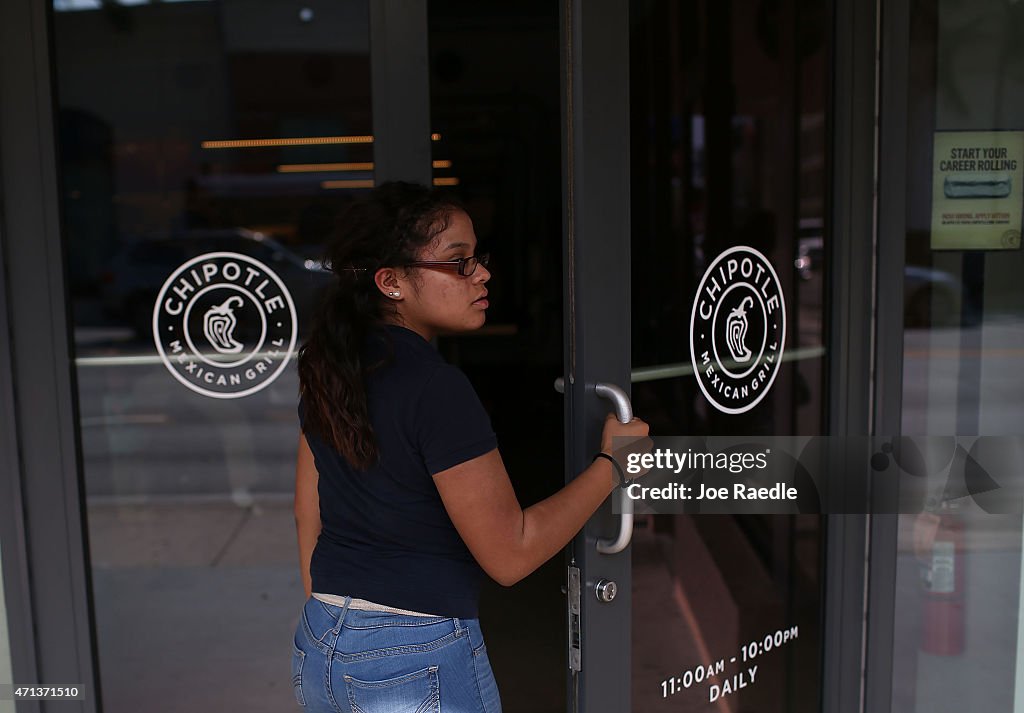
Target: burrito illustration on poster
x,y
977,190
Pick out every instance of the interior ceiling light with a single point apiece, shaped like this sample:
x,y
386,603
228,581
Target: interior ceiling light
x,y
315,167
356,166
367,183
298,141
352,183
303,141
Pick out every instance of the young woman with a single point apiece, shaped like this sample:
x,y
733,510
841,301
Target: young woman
x,y
401,498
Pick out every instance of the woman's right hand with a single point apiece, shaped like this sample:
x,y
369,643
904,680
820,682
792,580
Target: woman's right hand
x,y
509,542
621,440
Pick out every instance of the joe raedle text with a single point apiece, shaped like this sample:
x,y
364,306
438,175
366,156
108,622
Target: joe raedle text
x,y
737,492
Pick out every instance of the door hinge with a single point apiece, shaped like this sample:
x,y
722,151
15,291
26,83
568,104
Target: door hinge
x,y
573,608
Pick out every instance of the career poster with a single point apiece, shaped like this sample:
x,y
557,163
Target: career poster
x,y
977,183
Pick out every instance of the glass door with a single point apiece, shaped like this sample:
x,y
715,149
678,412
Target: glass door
x,y
193,129
205,148
725,107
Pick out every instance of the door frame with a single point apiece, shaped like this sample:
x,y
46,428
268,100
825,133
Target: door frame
x,y
42,524
893,92
595,253
862,380
856,378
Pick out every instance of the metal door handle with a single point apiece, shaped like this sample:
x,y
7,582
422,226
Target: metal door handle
x,y
624,413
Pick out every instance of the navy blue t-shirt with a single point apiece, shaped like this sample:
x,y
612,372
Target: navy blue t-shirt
x,y
386,536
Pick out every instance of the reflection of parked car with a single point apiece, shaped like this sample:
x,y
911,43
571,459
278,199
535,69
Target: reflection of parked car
x,y
139,270
931,297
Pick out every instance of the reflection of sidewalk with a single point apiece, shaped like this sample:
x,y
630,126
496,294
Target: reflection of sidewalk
x,y
933,361
102,336
193,532
195,605
197,599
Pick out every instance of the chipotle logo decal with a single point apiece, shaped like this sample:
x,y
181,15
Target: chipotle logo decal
x,y
737,329
224,325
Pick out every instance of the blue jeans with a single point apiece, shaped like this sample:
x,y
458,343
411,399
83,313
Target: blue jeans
x,y
353,661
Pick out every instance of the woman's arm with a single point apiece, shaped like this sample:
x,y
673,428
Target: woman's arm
x,y
507,541
307,509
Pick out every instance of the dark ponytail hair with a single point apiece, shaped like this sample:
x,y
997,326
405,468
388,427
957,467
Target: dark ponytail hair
x,y
386,228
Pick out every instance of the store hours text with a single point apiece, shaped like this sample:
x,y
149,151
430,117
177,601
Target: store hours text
x,y
716,674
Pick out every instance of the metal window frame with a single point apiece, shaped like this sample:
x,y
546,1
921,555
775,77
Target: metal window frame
x,y
894,60
14,575
46,553
866,262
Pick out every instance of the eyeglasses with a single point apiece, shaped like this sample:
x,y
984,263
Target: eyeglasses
x,y
465,266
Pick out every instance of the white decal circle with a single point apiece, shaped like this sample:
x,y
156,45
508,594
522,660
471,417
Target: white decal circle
x,y
224,325
737,329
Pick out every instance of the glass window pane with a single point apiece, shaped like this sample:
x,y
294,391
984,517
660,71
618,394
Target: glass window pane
x,y
494,113
185,129
728,146
959,569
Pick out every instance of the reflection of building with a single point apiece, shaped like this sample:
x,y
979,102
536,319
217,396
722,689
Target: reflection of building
x,y
136,135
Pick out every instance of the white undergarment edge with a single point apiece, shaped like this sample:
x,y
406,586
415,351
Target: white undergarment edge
x,y
339,601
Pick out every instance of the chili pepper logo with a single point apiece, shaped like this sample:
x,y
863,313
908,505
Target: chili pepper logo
x,y
219,323
736,331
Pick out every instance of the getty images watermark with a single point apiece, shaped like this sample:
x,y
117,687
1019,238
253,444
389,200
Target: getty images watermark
x,y
829,474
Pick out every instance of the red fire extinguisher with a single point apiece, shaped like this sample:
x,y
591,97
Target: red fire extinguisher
x,y
942,615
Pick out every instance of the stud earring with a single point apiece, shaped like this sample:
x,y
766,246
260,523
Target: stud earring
x,y
393,294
